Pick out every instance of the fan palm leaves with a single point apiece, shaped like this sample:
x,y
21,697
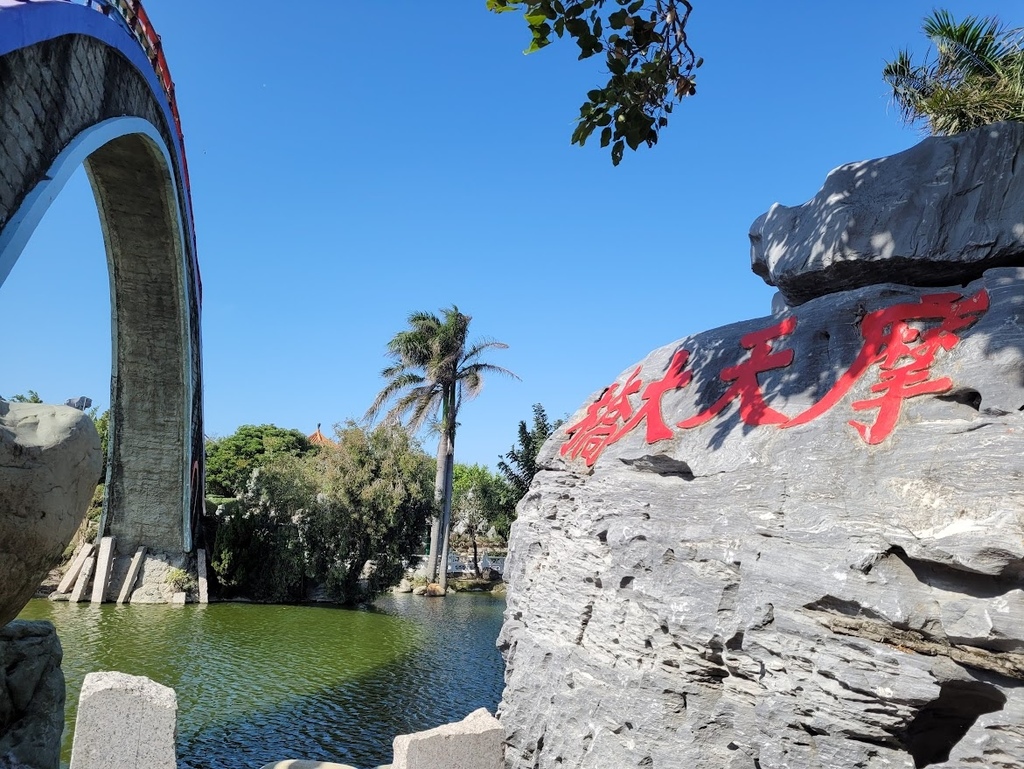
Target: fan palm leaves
x,y
434,371
975,77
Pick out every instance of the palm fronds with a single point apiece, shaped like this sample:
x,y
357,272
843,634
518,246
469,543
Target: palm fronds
x,y
975,77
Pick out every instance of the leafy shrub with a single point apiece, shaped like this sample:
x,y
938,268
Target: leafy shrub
x,y
180,580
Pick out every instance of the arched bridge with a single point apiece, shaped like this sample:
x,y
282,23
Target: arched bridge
x,y
86,82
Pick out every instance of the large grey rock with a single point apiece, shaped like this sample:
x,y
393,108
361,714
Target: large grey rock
x,y
31,696
475,742
124,721
937,214
816,595
49,463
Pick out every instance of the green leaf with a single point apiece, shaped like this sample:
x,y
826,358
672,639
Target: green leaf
x,y
617,150
606,136
537,44
577,27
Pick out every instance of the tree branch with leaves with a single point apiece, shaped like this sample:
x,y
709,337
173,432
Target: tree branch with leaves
x,y
651,65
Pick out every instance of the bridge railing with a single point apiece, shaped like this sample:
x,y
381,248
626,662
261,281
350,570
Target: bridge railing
x,y
131,15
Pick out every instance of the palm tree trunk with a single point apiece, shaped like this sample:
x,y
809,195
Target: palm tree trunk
x,y
446,517
439,496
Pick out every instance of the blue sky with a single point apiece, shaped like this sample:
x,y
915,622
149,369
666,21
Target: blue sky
x,y
354,162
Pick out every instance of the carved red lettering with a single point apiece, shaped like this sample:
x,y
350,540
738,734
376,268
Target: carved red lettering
x,y
612,416
904,355
745,387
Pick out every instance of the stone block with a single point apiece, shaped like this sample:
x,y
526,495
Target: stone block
x,y
83,579
103,563
68,579
475,742
204,587
295,764
179,598
124,721
133,573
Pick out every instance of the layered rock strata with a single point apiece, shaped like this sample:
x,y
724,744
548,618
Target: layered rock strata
x,y
939,213
796,541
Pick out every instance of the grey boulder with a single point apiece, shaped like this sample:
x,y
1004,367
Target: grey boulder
x,y
49,464
31,696
939,213
820,569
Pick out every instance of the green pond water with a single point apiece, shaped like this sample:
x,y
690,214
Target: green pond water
x,y
261,683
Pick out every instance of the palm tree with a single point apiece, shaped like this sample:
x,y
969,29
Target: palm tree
x,y
433,372
975,78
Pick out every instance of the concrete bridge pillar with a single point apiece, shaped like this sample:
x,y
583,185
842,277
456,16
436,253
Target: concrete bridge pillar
x,y
77,89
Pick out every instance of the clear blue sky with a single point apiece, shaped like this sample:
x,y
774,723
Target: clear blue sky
x,y
354,162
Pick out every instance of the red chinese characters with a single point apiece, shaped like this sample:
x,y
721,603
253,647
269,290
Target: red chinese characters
x,y
753,409
904,355
612,415
902,341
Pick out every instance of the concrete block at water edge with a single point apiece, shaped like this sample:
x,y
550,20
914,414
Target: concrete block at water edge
x,y
294,764
124,721
76,566
179,598
133,574
83,579
104,561
475,742
204,589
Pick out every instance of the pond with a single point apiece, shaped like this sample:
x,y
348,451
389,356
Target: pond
x,y
260,683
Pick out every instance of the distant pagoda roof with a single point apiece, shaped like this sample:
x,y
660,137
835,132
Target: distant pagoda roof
x,y
319,439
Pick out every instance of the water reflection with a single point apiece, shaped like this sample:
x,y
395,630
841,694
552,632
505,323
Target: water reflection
x,y
260,683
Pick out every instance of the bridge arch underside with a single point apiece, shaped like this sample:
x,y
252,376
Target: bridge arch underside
x,y
74,100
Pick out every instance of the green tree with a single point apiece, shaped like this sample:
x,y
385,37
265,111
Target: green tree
x,y
480,500
521,464
433,372
352,508
230,461
257,549
102,423
975,77
32,397
375,494
648,56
